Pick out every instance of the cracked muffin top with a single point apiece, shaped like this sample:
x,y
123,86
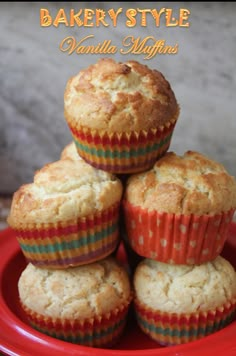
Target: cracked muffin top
x,y
185,289
119,97
63,191
188,184
79,292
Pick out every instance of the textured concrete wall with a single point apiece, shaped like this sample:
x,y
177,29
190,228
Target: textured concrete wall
x,y
34,72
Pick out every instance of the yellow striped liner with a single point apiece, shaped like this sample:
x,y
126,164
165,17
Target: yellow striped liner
x,y
73,253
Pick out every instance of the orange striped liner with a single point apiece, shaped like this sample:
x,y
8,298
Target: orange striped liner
x,y
100,331
70,243
75,252
125,152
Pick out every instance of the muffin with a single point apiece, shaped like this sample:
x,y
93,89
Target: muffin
x,y
179,212
177,304
70,152
68,216
121,115
85,305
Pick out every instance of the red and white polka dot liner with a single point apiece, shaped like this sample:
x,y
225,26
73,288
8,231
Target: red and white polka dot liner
x,y
176,239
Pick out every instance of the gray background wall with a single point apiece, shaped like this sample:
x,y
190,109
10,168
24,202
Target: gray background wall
x,y
34,72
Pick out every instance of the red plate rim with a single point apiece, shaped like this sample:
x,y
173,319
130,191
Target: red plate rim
x,y
18,338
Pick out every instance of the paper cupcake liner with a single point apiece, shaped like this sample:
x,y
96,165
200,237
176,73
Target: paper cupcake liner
x,y
122,152
176,239
171,328
100,331
70,243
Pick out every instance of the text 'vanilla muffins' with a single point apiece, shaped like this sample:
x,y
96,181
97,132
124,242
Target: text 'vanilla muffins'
x,y
121,115
180,210
177,304
68,216
85,305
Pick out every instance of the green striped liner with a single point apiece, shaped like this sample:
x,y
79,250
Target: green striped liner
x,y
70,245
87,338
197,331
139,151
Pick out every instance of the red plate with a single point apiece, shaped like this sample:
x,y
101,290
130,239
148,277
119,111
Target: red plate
x,y
18,338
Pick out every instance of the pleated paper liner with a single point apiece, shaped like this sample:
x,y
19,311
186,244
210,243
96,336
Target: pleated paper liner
x,y
172,328
122,153
176,239
100,331
70,243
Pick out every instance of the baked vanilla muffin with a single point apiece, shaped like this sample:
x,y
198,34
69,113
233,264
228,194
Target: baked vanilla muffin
x,y
177,303
70,152
121,115
68,216
85,305
180,210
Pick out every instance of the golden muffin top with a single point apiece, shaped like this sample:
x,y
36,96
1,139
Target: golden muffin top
x,y
79,292
185,289
119,97
188,184
64,191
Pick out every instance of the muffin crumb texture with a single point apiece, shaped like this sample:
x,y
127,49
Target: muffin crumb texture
x,y
185,289
119,97
79,292
188,184
70,152
62,191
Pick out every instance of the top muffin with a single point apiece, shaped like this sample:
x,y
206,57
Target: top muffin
x,y
119,97
121,115
188,184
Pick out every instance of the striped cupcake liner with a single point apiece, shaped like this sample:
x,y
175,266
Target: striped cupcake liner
x,y
73,243
122,152
173,329
100,331
176,239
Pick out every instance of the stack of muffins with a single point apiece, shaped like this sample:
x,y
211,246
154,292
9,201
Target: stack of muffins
x,y
177,217
66,223
177,212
